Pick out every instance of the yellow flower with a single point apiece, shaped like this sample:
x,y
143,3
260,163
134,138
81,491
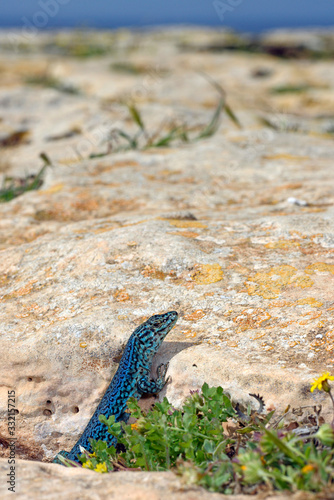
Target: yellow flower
x,y
101,468
308,468
321,382
134,426
92,454
243,467
87,465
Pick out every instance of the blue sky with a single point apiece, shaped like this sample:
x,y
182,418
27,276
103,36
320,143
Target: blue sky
x,y
250,15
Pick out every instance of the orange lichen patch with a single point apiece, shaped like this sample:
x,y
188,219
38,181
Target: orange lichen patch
x,y
321,267
98,182
291,185
83,344
282,213
317,235
68,161
103,229
189,333
301,281
134,223
52,189
299,234
293,343
232,343
315,344
25,290
310,210
29,309
313,315
283,156
195,316
121,163
125,163
330,335
163,174
309,301
270,284
22,315
228,313
57,213
4,280
185,223
121,296
87,204
166,172
186,234
153,272
250,319
267,347
161,151
221,329
282,244
259,336
280,303
207,273
188,285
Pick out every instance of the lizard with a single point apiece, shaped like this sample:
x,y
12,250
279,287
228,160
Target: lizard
x,y
132,379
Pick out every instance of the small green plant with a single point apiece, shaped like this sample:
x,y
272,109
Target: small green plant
x,y
167,133
47,80
256,454
291,89
129,68
12,187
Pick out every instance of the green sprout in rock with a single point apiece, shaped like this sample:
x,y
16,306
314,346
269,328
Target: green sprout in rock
x,y
167,133
12,187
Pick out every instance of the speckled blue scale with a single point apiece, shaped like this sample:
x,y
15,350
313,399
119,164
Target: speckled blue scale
x,y
132,379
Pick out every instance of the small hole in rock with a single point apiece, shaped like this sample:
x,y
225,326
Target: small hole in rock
x,y
29,379
195,365
16,411
48,402
47,413
75,409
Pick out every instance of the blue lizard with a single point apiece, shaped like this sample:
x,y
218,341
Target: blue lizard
x,y
132,379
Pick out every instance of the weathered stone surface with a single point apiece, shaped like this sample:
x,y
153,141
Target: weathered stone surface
x,y
207,228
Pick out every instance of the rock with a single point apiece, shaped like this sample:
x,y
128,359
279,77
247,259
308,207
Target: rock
x,y
38,480
203,227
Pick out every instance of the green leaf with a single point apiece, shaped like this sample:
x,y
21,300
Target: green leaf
x,y
205,390
294,454
136,116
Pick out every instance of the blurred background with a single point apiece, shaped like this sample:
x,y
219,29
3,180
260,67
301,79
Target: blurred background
x,y
242,15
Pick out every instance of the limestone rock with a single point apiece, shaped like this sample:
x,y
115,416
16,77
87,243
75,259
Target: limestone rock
x,y
203,227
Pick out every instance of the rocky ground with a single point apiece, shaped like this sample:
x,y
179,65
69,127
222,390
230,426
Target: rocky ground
x,y
143,213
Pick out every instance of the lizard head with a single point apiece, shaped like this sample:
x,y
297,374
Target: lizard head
x,y
155,329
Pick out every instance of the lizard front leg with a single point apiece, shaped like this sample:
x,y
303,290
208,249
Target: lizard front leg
x,y
148,386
